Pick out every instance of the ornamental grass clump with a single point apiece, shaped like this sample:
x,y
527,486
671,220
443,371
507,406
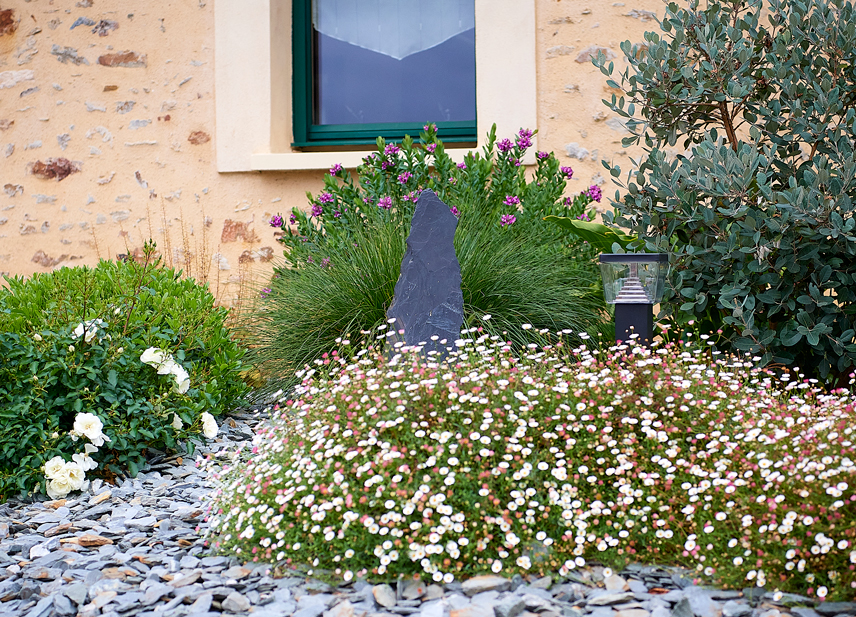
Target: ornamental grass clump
x,y
547,460
343,256
100,366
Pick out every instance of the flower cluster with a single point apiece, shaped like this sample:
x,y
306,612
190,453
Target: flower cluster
x,y
276,221
392,463
594,192
66,476
63,477
166,365
507,219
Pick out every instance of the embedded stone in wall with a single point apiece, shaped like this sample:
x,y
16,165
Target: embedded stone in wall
x,y
84,4
232,230
13,189
90,106
642,15
199,137
54,169
592,51
110,88
265,254
559,50
68,54
10,148
26,230
123,107
46,261
82,21
63,140
10,79
616,124
5,124
44,199
138,124
8,24
576,151
104,27
126,59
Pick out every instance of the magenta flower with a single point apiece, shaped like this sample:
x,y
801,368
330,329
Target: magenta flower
x,y
507,219
583,217
317,210
454,210
524,138
462,165
505,145
266,291
387,164
276,221
430,126
594,192
325,198
568,172
335,169
292,219
431,148
511,200
404,176
542,155
385,202
325,263
336,214
391,149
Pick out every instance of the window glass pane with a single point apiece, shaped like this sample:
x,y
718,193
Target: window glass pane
x,y
402,62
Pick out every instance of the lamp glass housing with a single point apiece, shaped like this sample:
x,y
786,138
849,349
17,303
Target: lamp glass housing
x,y
633,278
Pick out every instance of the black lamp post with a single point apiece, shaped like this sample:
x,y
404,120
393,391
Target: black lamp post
x,y
634,283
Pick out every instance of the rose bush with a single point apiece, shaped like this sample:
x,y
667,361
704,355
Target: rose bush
x,y
99,365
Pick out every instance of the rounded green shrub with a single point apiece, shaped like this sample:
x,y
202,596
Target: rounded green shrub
x,y
496,462
343,256
745,113
100,364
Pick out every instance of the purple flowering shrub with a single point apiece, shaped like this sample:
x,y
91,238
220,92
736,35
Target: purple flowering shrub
x,y
343,255
546,461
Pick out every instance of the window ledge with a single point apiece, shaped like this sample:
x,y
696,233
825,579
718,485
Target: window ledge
x,y
295,161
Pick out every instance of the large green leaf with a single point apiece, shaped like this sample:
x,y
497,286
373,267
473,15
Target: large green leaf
x,y
599,236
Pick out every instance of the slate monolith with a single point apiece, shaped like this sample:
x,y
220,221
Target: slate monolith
x,y
428,301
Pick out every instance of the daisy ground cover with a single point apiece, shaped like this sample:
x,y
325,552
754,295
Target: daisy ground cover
x,y
545,461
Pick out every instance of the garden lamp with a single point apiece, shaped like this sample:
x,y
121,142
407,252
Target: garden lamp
x,y
634,283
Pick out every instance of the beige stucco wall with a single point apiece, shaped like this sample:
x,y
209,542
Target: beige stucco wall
x,y
138,129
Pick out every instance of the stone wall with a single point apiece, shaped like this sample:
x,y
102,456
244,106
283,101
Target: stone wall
x,y
106,132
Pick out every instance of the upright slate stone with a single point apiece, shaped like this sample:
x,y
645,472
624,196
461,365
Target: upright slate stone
x,y
428,300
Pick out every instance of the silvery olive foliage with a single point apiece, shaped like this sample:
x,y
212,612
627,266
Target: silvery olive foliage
x,y
746,116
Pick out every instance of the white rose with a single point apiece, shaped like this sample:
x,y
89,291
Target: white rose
x,y
89,425
182,378
76,475
209,425
85,461
153,356
177,424
168,367
58,488
37,337
53,466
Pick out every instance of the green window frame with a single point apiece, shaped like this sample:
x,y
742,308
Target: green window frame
x,y
307,134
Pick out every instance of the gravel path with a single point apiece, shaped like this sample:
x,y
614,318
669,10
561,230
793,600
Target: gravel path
x,y
136,550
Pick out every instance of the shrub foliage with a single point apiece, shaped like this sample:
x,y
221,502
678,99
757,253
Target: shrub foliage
x,y
749,174
72,342
343,256
489,462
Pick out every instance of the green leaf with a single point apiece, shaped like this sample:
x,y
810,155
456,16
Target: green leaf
x,y
599,236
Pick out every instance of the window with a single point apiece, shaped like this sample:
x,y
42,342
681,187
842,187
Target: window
x,y
364,68
253,83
